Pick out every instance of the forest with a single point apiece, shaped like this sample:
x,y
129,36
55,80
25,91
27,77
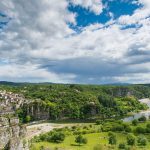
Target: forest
x,y
70,101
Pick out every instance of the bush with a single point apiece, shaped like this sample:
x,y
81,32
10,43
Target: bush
x,y
148,125
27,118
142,141
128,129
112,138
80,140
143,119
57,137
74,127
118,128
130,139
84,141
135,122
147,130
140,130
98,122
122,146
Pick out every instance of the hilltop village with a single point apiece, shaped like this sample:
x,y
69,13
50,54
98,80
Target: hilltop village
x,y
9,102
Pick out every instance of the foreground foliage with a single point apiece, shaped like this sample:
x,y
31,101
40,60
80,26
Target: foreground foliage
x,y
92,137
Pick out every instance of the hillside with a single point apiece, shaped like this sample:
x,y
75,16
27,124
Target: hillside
x,y
64,101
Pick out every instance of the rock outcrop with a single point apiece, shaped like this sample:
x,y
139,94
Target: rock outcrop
x,y
12,134
37,110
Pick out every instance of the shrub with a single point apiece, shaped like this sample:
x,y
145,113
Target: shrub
x,y
140,130
112,138
147,130
27,118
122,146
57,137
142,140
90,126
143,119
74,127
118,128
128,129
135,122
148,125
84,141
80,139
130,139
85,127
98,122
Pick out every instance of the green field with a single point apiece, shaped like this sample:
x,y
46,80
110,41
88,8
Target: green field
x,y
69,143
93,140
96,141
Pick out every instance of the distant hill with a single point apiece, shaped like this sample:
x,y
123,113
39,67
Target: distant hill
x,y
9,83
21,83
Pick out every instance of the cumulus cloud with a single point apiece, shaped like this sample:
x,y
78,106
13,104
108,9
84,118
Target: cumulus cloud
x,y
95,6
139,15
39,45
28,72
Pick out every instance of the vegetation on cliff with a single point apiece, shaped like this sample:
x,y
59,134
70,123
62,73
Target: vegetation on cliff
x,y
59,101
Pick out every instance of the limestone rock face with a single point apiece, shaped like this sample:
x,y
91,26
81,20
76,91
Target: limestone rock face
x,y
37,111
12,135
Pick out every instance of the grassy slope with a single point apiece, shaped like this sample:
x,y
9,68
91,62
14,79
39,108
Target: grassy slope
x,y
93,140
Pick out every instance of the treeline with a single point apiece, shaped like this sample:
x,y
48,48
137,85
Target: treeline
x,y
78,101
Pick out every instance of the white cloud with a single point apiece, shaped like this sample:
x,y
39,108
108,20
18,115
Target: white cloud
x,y
95,6
134,78
139,14
38,34
32,73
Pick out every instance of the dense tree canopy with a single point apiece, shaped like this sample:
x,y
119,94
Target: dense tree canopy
x,y
80,101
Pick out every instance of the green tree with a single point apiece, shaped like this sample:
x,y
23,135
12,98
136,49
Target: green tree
x,y
143,119
57,137
148,125
27,118
142,140
112,138
122,146
140,130
98,122
80,139
135,122
130,139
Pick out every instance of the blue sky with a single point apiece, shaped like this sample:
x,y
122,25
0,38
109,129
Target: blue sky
x,y
114,7
75,41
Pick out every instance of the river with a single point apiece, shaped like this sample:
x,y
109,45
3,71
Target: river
x,y
145,113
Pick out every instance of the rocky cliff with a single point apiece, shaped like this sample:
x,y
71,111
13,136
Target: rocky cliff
x,y
12,134
37,110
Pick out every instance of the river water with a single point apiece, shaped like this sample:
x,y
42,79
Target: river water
x,y
145,113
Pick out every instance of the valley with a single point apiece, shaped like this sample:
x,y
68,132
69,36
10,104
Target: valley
x,y
53,116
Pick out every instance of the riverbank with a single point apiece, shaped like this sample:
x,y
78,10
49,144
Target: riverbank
x,y
145,113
